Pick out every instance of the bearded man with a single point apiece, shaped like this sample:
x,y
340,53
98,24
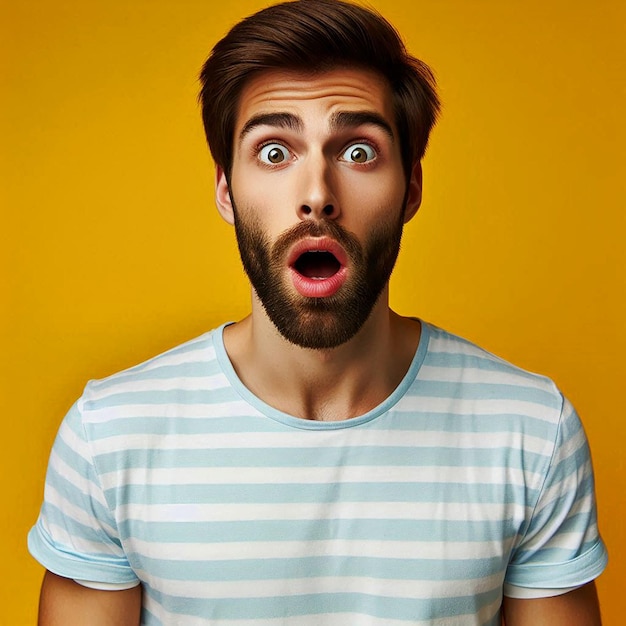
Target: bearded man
x,y
324,460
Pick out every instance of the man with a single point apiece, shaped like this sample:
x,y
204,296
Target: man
x,y
324,460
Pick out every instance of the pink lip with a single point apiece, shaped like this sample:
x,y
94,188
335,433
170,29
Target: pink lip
x,y
317,287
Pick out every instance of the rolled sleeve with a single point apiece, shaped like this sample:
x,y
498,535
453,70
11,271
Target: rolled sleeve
x,y
76,534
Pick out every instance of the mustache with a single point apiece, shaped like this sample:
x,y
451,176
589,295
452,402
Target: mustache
x,y
310,228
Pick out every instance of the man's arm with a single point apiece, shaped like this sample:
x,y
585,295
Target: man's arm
x,y
576,608
64,602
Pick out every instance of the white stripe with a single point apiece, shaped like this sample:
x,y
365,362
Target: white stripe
x,y
272,588
565,541
349,474
335,547
106,586
528,593
237,408
184,383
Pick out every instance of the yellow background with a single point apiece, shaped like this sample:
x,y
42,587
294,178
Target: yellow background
x,y
113,251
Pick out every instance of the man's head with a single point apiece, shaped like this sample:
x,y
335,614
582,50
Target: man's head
x,y
317,119
315,36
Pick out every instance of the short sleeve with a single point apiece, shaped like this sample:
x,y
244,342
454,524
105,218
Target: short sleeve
x,y
561,546
76,534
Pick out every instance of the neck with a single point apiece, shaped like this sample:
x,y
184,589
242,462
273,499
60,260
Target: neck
x,y
326,385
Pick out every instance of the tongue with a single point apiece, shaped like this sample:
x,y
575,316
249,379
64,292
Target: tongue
x,y
317,265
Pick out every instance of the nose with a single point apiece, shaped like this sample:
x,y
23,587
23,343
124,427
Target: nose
x,y
316,190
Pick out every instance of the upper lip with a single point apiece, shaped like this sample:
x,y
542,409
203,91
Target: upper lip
x,y
317,244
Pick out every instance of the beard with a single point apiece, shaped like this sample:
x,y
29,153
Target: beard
x,y
318,323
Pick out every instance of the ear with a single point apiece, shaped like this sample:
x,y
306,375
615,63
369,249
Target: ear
x,y
414,194
222,196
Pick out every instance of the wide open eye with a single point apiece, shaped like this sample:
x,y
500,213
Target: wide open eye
x,y
273,154
359,153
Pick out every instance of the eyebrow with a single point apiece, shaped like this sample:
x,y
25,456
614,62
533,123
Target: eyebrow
x,y
279,120
338,121
351,119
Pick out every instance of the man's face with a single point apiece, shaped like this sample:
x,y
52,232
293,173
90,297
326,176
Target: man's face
x,y
318,198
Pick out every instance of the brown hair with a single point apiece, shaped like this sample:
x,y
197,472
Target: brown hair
x,y
313,36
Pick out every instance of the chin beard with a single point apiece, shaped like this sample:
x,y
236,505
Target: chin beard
x,y
318,323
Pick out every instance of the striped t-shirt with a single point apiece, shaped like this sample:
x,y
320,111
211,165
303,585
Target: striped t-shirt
x,y
472,479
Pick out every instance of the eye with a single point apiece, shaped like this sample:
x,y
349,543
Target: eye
x,y
359,153
273,154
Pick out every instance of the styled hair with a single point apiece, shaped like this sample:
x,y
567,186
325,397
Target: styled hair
x,y
315,36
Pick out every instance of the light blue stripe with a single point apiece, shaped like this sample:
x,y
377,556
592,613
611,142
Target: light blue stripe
x,y
149,619
319,566
567,572
191,369
321,493
483,391
428,531
481,361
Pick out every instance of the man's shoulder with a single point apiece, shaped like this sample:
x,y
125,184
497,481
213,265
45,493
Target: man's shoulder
x,y
455,358
189,365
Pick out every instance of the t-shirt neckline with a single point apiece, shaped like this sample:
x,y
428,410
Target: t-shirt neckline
x,y
297,422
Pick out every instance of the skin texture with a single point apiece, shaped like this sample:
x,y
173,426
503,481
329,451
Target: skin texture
x,y
66,603
576,608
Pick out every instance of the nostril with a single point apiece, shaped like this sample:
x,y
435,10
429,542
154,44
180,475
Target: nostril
x,y
328,211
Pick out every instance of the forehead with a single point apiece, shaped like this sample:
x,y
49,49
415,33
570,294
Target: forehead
x,y
320,94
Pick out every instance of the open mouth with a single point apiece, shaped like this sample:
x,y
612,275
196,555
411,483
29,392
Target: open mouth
x,y
317,264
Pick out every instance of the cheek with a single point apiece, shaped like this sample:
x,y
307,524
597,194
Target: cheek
x,y
274,200
371,195
263,209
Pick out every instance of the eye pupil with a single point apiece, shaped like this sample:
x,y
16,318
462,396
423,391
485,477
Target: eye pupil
x,y
275,155
358,155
